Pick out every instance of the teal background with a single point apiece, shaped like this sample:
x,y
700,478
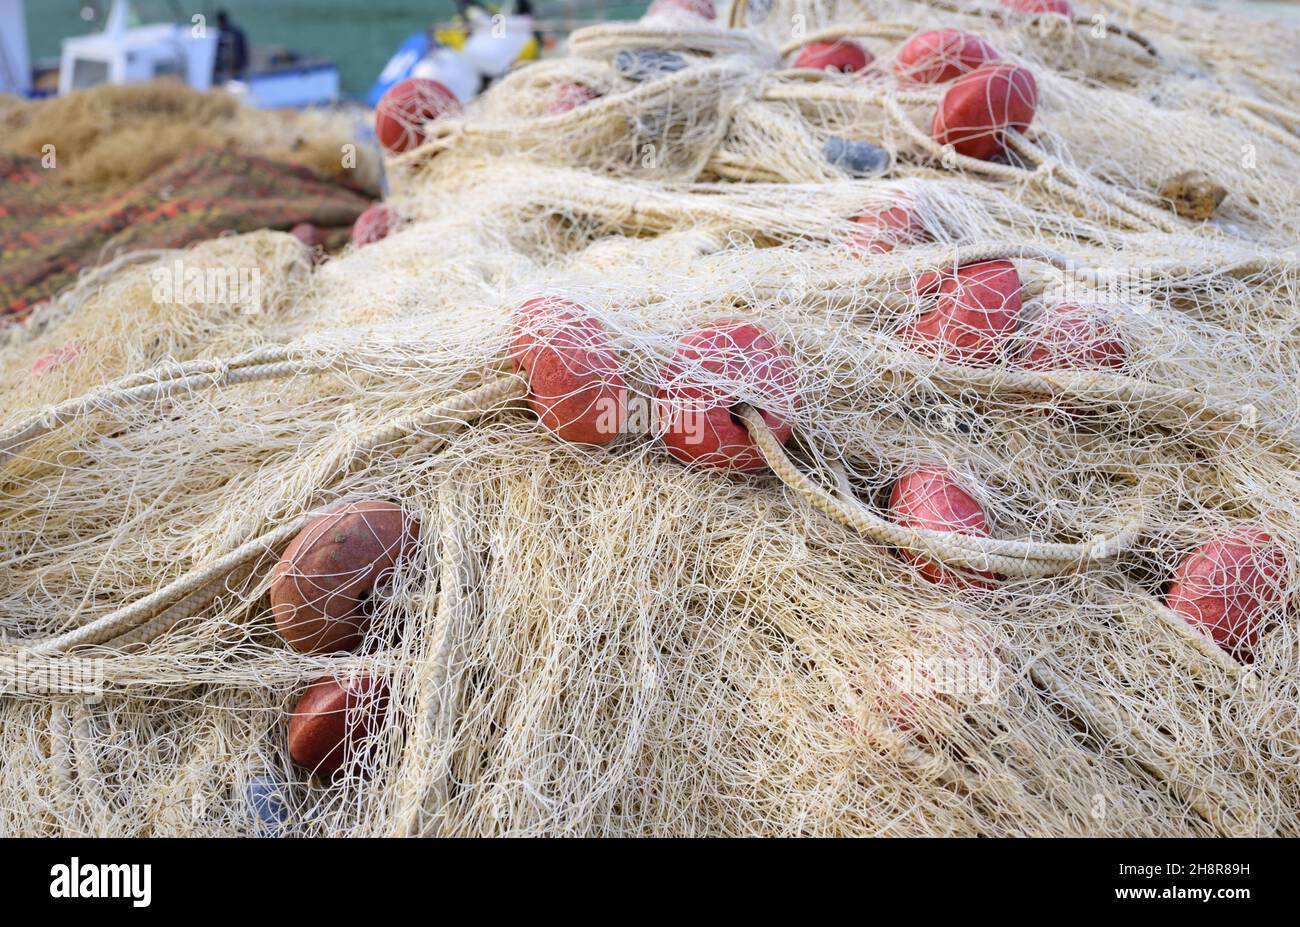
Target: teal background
x,y
359,35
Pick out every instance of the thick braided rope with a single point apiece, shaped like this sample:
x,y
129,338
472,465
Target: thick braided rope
x,y
1094,386
1202,643
1099,385
736,15
165,382
735,168
652,210
122,620
188,595
268,354
1000,251
1124,32
893,105
436,421
63,759
1092,192
1009,558
820,78
649,210
139,633
1048,173
426,808
905,265
81,743
1085,205
1277,112
188,608
154,385
592,41
877,30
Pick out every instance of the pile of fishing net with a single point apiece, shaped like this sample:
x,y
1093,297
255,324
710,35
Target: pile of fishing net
x,y
98,140
710,446
115,171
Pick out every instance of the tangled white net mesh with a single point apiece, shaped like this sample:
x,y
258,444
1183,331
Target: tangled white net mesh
x,y
585,639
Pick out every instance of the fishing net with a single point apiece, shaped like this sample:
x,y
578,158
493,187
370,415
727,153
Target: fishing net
x,y
569,638
99,140
114,169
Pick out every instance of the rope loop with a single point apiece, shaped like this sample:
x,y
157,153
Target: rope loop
x,y
1006,557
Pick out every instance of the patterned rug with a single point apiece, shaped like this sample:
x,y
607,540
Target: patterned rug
x,y
50,231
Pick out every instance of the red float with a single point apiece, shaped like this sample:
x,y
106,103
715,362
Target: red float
x,y
701,8
977,309
940,55
981,106
882,230
403,111
322,584
960,667
570,95
574,383
333,721
55,358
931,498
310,235
1225,586
843,56
371,226
695,419
1069,336
927,283
1040,6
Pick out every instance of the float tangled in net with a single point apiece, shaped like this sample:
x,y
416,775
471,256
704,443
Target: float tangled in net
x,y
991,403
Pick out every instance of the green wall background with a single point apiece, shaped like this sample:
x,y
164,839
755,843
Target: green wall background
x,y
359,35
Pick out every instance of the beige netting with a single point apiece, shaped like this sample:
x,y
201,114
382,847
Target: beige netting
x,y
110,136
603,640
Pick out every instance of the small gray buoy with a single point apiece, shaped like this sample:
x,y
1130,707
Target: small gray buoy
x,y
857,159
268,799
643,63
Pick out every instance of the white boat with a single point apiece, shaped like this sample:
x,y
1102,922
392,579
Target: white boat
x,y
123,53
